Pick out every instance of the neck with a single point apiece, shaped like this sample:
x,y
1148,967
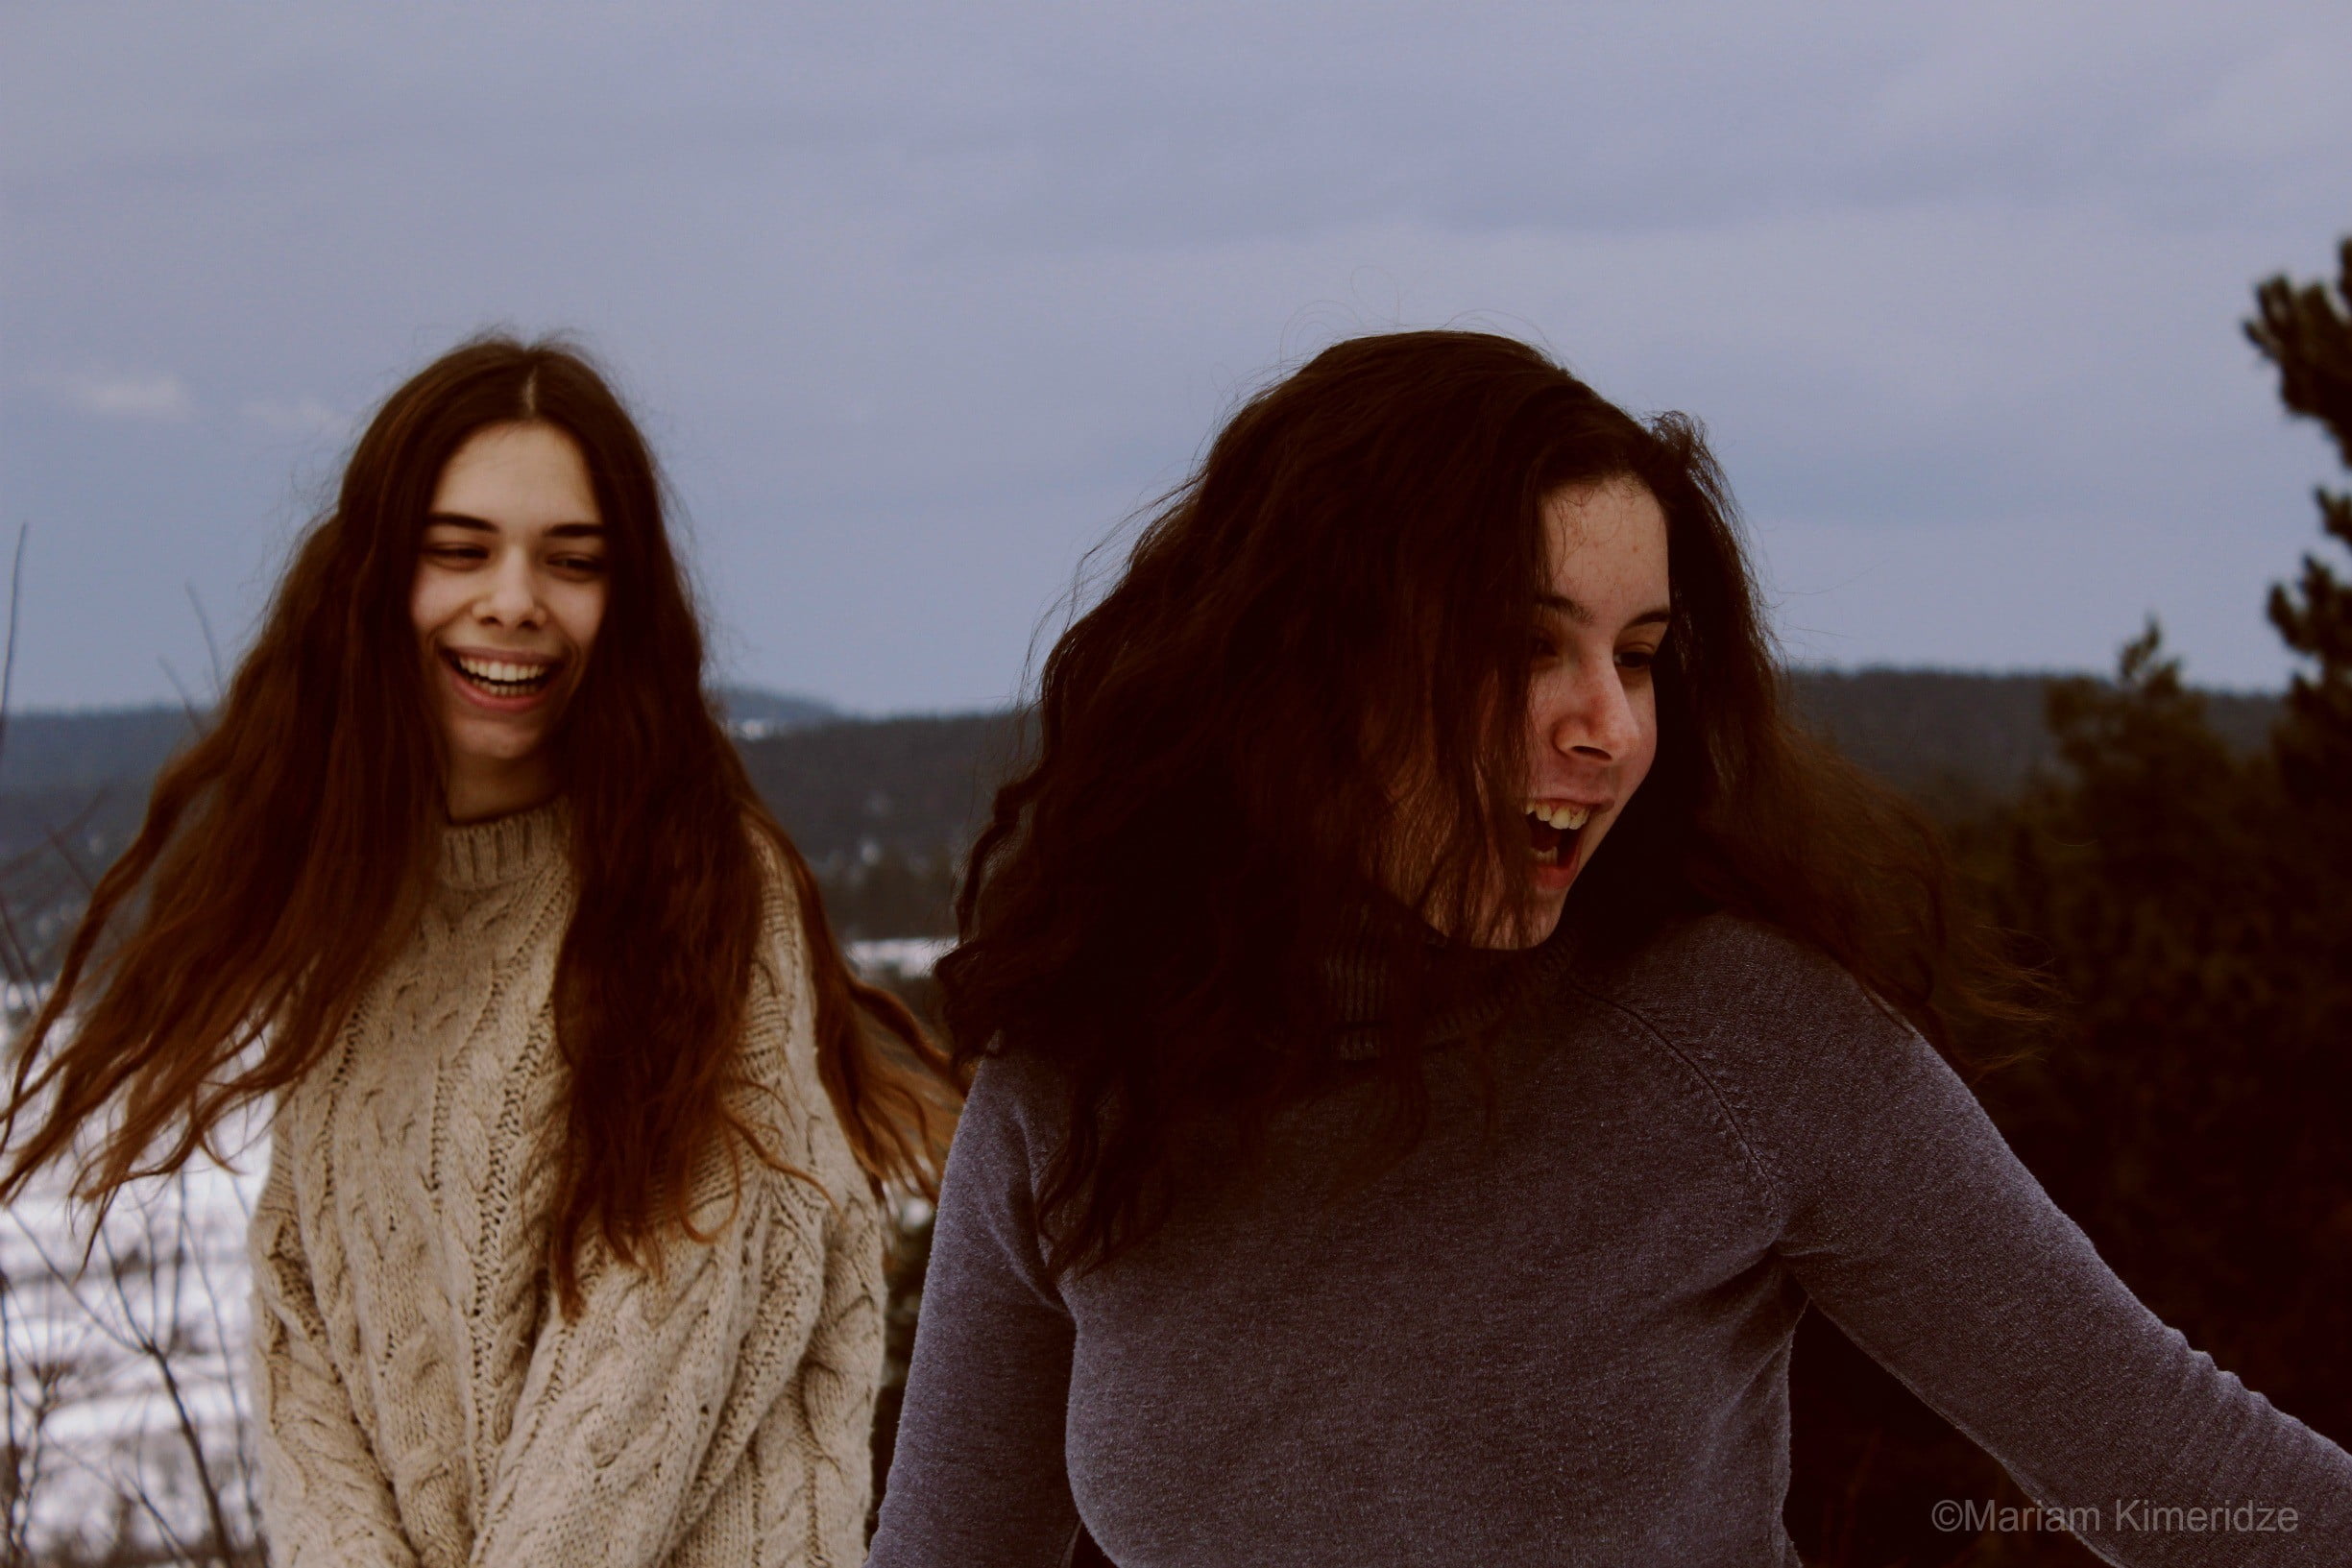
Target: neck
x,y
479,788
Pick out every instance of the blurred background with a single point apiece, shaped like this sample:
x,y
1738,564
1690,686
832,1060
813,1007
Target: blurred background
x,y
921,303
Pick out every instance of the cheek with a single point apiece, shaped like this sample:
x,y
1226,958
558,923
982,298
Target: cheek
x,y
430,604
1549,697
1637,765
581,613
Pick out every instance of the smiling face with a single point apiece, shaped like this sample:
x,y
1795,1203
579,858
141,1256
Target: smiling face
x,y
1591,706
509,591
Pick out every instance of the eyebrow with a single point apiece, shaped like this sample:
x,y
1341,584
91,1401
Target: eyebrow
x,y
561,530
1560,604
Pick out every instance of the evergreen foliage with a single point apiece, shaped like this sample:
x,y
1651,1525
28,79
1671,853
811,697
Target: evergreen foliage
x,y
2307,332
2193,900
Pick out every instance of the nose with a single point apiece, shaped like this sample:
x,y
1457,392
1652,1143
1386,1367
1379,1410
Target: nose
x,y
510,596
1592,716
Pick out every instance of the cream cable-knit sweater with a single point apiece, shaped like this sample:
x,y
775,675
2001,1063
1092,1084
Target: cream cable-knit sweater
x,y
422,1403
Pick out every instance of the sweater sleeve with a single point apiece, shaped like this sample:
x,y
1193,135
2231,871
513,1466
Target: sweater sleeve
x,y
1912,1223
979,1478
632,1414
325,1498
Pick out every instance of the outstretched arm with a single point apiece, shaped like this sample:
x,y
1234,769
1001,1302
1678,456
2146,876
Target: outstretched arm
x,y
1913,1226
979,1475
324,1499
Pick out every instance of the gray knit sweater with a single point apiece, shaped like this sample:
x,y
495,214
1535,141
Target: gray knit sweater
x,y
1567,1340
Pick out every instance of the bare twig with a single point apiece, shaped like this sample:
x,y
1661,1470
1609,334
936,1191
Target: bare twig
x,y
35,1392
63,846
187,703
8,661
26,967
213,649
14,954
240,1416
18,960
16,1482
157,1347
31,854
148,1285
139,1494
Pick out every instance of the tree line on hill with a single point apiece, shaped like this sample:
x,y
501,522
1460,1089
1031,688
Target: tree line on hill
x,y
883,807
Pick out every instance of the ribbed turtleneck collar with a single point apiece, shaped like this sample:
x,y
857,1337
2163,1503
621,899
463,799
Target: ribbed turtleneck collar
x,y
502,849
1470,988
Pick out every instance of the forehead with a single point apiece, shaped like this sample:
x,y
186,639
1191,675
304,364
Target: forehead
x,y
1606,542
517,474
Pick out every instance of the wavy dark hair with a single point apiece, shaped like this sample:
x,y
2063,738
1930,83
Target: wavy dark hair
x,y
286,853
1350,583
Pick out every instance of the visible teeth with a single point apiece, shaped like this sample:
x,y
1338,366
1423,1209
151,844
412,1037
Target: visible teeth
x,y
1567,818
501,672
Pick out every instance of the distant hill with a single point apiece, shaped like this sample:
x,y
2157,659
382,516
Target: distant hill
x,y
1957,741
754,712
84,773
884,806
913,786
87,748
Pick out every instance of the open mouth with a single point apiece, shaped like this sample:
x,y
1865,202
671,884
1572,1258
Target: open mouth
x,y
1552,832
501,677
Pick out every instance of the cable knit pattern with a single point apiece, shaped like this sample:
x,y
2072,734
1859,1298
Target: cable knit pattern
x,y
422,1401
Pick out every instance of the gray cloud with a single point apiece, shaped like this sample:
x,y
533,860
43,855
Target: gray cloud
x,y
920,299
120,394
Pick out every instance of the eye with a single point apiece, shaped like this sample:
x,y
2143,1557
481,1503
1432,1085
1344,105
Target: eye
x,y
454,551
1637,658
586,566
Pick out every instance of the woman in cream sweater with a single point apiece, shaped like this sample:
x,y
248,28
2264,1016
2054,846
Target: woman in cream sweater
x,y
571,1248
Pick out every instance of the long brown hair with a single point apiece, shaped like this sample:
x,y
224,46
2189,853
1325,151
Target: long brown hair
x,y
1348,581
285,855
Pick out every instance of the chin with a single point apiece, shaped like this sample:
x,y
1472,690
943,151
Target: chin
x,y
1538,930
499,745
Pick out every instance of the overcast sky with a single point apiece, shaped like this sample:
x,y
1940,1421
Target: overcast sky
x,y
918,301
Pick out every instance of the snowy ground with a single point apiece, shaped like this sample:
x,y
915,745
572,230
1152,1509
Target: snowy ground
x,y
903,955
126,1383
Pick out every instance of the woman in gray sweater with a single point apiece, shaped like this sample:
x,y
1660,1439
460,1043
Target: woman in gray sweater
x,y
1438,1026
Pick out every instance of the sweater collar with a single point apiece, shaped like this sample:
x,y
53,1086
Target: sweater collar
x,y
504,848
1469,989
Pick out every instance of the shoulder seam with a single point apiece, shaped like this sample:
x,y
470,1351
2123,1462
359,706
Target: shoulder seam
x,y
1714,1091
